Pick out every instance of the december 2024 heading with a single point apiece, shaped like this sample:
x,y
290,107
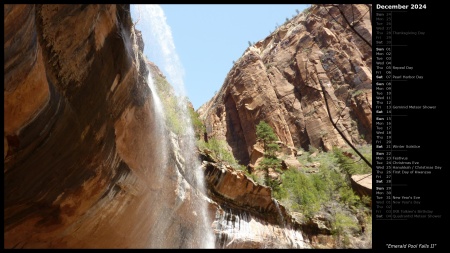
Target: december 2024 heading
x,y
401,6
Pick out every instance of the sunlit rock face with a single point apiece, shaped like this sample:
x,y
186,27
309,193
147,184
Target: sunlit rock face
x,y
244,230
84,163
362,185
280,78
244,213
82,154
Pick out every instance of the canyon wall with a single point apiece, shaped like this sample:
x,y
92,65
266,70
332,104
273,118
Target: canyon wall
x,y
81,148
284,78
83,160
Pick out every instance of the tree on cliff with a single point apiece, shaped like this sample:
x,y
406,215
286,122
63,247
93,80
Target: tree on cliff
x,y
265,133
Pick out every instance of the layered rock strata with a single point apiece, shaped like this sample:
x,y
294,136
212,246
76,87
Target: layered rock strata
x,y
282,80
82,165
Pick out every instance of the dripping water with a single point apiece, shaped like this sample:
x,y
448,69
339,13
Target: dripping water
x,y
157,37
241,229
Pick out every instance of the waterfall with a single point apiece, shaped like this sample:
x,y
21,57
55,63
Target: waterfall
x,y
243,230
279,212
157,37
157,101
238,229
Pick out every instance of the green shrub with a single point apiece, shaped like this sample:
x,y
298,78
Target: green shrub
x,y
301,192
368,225
348,197
356,93
352,166
308,192
199,127
172,105
341,227
240,167
274,184
330,188
173,114
271,148
219,150
269,162
280,192
366,200
257,179
312,149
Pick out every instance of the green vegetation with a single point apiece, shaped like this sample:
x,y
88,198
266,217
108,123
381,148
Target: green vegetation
x,y
219,151
301,193
330,183
315,188
265,164
271,148
258,179
307,193
348,165
265,133
321,185
199,127
342,226
270,162
356,93
170,101
172,104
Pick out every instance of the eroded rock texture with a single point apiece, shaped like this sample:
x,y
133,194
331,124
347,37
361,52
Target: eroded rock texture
x,y
280,80
82,154
362,185
245,214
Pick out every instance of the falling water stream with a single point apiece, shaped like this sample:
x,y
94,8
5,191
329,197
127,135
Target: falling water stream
x,y
231,230
157,37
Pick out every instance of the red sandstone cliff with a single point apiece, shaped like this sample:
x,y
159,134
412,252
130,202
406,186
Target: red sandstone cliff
x,y
82,162
280,80
81,149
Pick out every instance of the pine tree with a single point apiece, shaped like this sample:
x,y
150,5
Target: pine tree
x,y
265,133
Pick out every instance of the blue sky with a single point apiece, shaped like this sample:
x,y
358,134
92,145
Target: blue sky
x,y
208,38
